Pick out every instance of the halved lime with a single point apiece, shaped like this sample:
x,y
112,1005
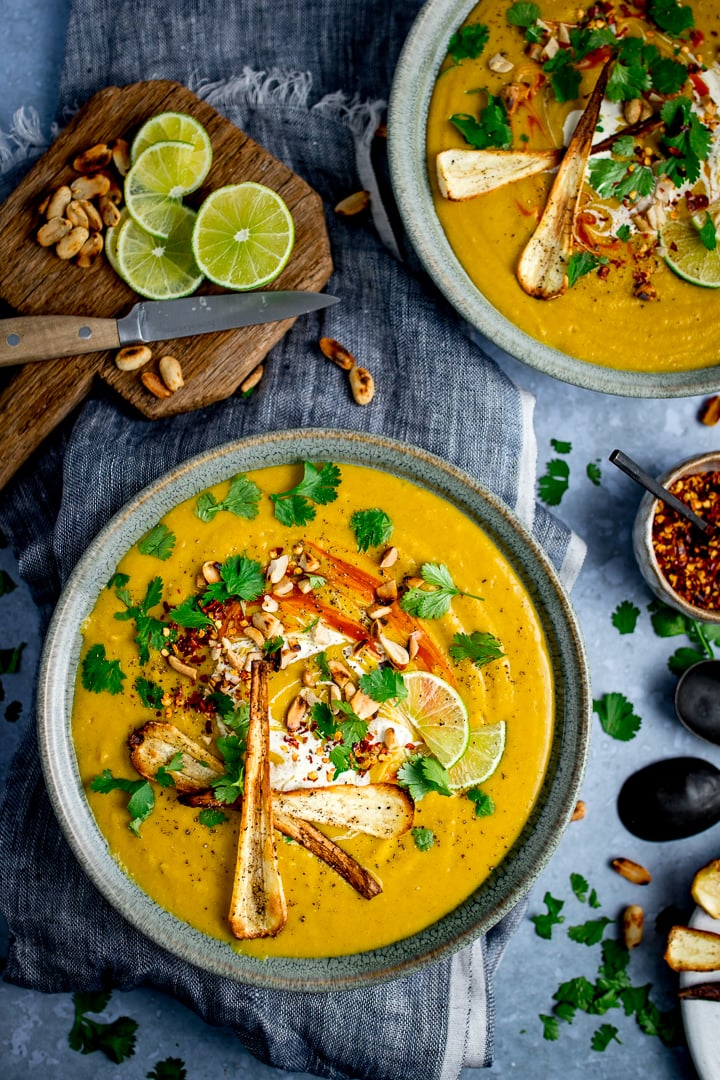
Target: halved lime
x,y
160,177
243,236
436,712
482,757
171,127
159,268
686,254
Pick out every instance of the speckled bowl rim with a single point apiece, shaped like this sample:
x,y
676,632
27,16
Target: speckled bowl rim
x,y
642,537
415,75
511,879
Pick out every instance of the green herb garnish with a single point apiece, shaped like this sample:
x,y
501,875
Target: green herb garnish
x,y
150,693
671,16
625,616
211,816
593,473
142,799
159,542
98,673
164,774
468,43
479,647
582,263
560,446
116,1040
551,1027
483,803
383,684
319,485
553,485
491,128
617,717
239,576
242,500
686,139
189,615
433,604
149,629
421,775
544,923
590,932
424,838
604,1036
371,528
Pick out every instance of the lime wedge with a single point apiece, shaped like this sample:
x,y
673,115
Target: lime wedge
x,y
158,268
160,177
243,236
171,127
436,712
686,254
482,757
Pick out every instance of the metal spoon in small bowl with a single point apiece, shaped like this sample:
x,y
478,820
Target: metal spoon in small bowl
x,y
633,470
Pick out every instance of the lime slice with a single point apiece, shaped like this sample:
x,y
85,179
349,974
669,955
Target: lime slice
x,y
160,177
111,238
686,254
243,236
171,127
482,757
159,268
436,712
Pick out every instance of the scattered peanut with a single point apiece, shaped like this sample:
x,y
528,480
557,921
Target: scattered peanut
x,y
211,572
76,215
277,568
337,353
171,372
363,706
132,357
353,204
389,557
579,811
155,385
108,211
182,669
90,250
94,159
379,612
252,380
58,202
387,591
255,636
95,221
70,245
120,152
632,871
362,385
296,713
633,923
53,231
413,644
500,64
87,187
396,654
710,410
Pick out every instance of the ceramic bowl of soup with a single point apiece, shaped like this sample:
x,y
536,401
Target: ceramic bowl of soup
x,y
427,683
627,324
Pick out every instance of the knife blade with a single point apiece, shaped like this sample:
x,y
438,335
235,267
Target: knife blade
x,y
25,338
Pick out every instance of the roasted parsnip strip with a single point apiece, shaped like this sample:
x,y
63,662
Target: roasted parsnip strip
x,y
310,838
382,810
542,270
257,906
157,742
689,949
709,991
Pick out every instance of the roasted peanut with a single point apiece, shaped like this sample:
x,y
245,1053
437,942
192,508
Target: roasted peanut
x,y
252,380
337,353
182,669
211,572
632,871
58,202
277,568
579,812
353,204
70,245
95,222
132,357
296,714
108,211
363,706
93,159
87,187
52,231
155,385
389,557
44,203
362,385
387,591
396,654
76,215
90,250
632,110
633,923
500,64
171,372
120,152
710,410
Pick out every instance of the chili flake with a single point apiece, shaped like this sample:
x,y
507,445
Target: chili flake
x,y
689,560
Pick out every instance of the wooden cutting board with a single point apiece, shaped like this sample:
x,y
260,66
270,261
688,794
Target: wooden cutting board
x,y
33,281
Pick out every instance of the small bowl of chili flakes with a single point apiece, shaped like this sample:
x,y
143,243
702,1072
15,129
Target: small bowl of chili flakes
x,y
680,564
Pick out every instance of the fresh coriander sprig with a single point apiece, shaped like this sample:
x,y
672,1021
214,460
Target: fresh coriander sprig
x,y
371,527
480,648
424,838
115,1039
544,923
159,542
149,629
433,604
491,128
142,798
242,500
383,684
468,43
625,616
98,673
421,775
617,717
318,486
239,576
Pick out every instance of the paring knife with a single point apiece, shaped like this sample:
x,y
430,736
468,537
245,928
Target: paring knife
x,y
46,337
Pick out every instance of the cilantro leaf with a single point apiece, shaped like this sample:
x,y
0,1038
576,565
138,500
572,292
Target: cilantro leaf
x,y
189,615
668,75
623,233
625,616
118,581
383,684
116,1039
684,658
686,139
544,923
222,703
561,447
480,648
666,622
150,693
551,1027
578,992
523,14
590,932
98,673
564,77
708,233
341,758
433,604
211,816
149,629
141,802
273,645
579,886
7,585
159,542
229,787
604,174
353,729
371,528
492,128
468,42
10,660
424,838
239,719
581,263
484,805
324,719
242,500
322,662
616,957
604,1036
318,485
164,776
671,16
629,78
585,40
617,717
593,901
239,576
593,473
421,775
553,485
169,1069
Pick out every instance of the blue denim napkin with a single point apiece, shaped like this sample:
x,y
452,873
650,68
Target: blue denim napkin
x,y
307,79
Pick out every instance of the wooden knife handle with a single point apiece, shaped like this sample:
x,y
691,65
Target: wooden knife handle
x,y
45,337
34,402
